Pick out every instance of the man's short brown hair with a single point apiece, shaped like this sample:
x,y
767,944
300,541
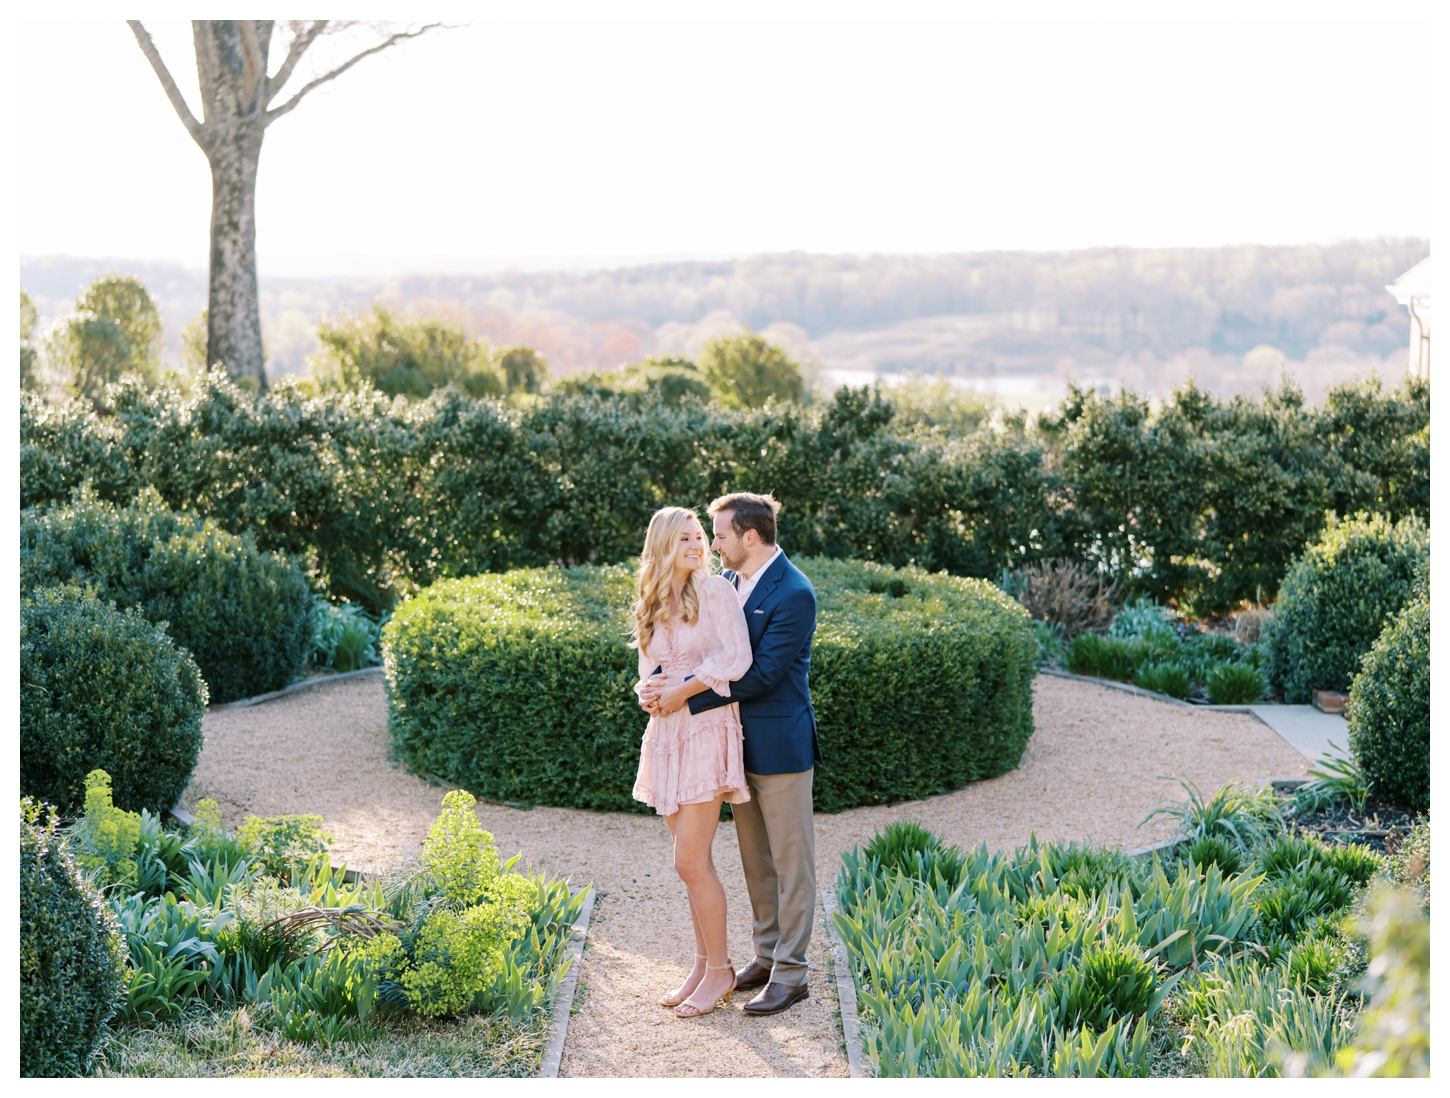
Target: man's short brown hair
x,y
749,511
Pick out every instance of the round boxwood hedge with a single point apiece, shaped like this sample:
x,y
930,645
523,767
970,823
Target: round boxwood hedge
x,y
104,689
244,615
71,962
1337,597
518,686
1389,713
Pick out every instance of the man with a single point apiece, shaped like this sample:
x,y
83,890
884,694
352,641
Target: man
x,y
776,827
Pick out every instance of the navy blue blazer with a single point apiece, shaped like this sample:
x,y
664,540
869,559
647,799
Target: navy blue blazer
x,y
775,694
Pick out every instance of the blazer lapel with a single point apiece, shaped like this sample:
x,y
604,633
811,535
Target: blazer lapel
x,y
765,585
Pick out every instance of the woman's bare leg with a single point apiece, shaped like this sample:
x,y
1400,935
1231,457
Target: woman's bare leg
x,y
697,973
694,830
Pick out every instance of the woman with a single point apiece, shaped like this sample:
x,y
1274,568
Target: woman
x,y
689,623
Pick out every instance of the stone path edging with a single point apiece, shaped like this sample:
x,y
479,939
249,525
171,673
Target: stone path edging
x,y
845,989
564,994
341,676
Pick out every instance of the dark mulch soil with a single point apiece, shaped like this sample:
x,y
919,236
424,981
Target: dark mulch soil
x,y
1381,827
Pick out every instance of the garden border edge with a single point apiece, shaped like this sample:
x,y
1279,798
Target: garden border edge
x,y
1129,688
564,993
845,989
292,688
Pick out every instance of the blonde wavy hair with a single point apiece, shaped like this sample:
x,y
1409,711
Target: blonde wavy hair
x,y
656,568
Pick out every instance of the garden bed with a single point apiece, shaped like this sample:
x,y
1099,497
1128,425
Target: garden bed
x,y
245,950
1229,956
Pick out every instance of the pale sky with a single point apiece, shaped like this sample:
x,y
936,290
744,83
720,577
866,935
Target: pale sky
x,y
663,136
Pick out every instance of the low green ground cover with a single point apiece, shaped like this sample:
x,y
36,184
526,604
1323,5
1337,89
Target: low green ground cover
x,y
519,685
249,953
1144,647
1239,953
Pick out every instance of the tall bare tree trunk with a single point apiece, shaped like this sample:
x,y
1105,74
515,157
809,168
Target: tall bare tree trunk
x,y
231,68
234,322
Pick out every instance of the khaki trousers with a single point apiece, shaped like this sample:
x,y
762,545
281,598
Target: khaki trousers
x,y
776,829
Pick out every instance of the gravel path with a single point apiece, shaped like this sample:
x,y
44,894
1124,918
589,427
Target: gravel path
x,y
1091,771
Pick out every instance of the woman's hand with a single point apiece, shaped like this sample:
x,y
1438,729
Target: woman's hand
x,y
649,694
672,698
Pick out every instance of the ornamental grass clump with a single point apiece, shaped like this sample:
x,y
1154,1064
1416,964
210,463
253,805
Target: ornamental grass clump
x,y
519,685
1235,684
1163,678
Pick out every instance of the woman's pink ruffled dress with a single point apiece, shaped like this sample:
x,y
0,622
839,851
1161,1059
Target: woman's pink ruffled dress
x,y
688,759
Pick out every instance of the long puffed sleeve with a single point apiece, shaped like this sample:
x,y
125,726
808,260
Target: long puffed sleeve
x,y
723,621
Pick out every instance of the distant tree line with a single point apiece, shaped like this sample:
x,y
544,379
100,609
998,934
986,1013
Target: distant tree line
x,y
1166,299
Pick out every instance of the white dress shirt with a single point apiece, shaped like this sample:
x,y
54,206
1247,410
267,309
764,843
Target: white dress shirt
x,y
744,587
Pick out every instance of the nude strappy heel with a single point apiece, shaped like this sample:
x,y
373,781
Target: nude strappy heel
x,y
724,997
672,1000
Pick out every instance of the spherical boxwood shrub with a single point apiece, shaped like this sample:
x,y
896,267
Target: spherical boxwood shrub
x,y
244,615
71,961
1337,597
104,689
1389,713
519,686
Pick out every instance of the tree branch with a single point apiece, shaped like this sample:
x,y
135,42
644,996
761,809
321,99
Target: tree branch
x,y
291,104
143,39
295,50
254,65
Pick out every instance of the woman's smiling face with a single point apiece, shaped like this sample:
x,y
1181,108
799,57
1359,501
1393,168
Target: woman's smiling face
x,y
690,552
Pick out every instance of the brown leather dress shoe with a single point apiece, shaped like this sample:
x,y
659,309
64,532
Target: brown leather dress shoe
x,y
776,997
752,975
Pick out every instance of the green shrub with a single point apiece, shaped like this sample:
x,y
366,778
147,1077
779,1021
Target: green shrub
x,y
1409,865
404,357
71,967
519,686
1389,716
1235,684
1163,678
1215,496
104,689
1393,1036
244,615
671,380
1337,597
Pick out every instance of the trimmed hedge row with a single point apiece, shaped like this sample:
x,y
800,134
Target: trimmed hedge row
x,y
1202,500
244,615
104,689
1337,597
519,686
1389,716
